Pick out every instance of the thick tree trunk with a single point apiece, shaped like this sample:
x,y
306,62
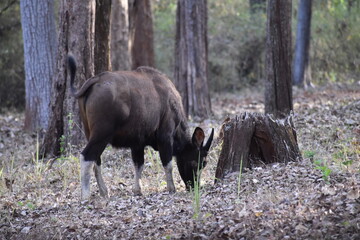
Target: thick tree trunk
x,y
191,57
278,83
102,36
120,55
301,66
141,33
39,36
76,36
255,139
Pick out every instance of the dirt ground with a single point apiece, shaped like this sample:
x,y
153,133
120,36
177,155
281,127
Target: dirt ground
x,y
316,198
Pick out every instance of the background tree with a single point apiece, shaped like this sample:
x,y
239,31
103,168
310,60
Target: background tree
x,y
301,66
141,33
278,83
191,56
119,29
102,36
76,36
12,86
39,36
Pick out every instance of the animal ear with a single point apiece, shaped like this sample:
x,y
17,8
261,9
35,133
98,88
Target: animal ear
x,y
208,143
198,137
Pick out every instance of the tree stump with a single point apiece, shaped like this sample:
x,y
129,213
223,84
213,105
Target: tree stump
x,y
255,138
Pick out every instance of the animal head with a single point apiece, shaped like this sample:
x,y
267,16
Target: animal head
x,y
192,159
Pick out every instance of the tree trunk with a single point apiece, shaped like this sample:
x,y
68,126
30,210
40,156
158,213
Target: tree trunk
x,y
191,57
301,66
102,36
141,33
76,36
278,83
254,139
120,55
39,36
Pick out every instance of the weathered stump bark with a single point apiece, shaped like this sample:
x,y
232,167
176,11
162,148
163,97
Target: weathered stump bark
x,y
256,138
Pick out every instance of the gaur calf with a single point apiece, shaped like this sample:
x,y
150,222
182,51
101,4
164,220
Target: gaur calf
x,y
135,109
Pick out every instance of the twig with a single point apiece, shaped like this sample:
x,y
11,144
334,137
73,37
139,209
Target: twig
x,y
8,6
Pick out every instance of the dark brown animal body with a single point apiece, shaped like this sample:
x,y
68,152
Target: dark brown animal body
x,y
135,109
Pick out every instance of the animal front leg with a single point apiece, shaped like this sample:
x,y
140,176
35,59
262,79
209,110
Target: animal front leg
x,y
85,169
165,151
169,178
99,179
137,177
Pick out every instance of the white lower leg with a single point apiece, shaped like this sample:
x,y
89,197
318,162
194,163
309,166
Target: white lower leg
x,y
85,168
169,178
100,181
136,187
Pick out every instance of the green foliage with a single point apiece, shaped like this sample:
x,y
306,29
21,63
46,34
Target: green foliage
x,y
309,154
12,89
27,204
322,166
237,42
236,45
335,42
164,12
39,165
196,191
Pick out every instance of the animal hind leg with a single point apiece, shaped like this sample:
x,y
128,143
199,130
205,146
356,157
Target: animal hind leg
x,y
99,179
138,159
85,167
89,155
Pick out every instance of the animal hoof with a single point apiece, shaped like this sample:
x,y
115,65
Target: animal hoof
x,y
85,196
104,195
137,192
172,191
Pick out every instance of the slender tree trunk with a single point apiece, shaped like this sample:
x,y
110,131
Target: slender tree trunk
x,y
102,36
39,36
278,83
191,56
120,55
76,36
301,66
141,33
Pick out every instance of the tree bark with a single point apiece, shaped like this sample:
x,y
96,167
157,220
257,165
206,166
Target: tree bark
x,y
39,36
141,33
191,57
76,36
301,66
254,139
119,32
102,36
278,83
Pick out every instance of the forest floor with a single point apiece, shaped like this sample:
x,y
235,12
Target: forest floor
x,y
315,198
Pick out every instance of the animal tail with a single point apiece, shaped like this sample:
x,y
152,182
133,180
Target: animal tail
x,y
72,68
